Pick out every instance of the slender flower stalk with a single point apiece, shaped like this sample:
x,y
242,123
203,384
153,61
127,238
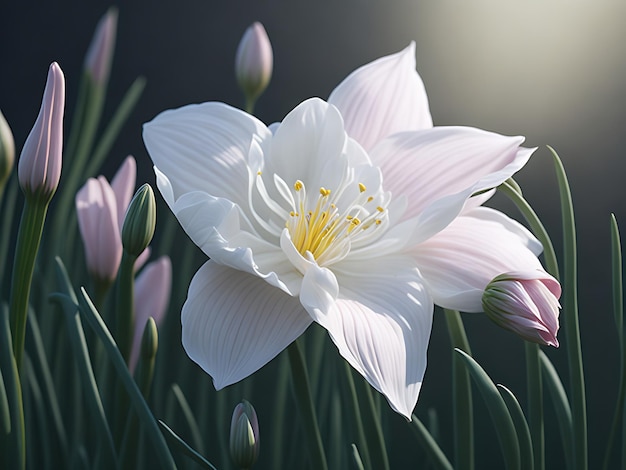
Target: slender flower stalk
x,y
39,170
137,232
253,63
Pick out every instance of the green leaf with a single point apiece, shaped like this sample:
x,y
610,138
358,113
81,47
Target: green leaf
x,y
192,425
570,317
15,441
436,456
521,426
151,428
462,395
497,409
185,448
66,301
304,399
357,458
561,407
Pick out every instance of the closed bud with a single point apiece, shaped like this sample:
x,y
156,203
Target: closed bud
x,y
39,167
140,221
244,435
149,340
100,52
7,151
254,62
527,303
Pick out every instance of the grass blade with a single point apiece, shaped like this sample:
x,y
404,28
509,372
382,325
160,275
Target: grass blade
x,y
497,409
436,456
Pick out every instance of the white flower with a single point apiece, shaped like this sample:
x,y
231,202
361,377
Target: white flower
x,y
354,213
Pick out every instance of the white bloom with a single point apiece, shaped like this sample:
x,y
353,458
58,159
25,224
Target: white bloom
x,y
354,213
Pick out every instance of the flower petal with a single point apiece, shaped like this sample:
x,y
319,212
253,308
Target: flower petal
x,y
96,210
308,146
457,158
234,323
215,225
205,147
380,322
382,98
459,262
123,185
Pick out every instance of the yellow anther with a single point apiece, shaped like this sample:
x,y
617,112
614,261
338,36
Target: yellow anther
x,y
378,222
380,209
259,172
355,221
298,185
362,187
324,192
292,214
333,206
349,217
370,199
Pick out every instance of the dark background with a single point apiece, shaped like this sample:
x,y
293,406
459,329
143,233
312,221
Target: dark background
x,y
553,71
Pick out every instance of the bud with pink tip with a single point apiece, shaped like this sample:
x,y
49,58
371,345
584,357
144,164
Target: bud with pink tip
x,y
39,167
254,61
527,303
100,52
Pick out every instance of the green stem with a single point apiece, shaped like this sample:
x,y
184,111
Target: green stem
x,y
373,429
570,312
125,316
618,311
305,404
15,442
28,239
534,387
462,395
362,443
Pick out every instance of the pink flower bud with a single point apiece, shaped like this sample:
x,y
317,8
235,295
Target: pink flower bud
x,y
39,167
526,303
98,208
152,295
100,53
254,61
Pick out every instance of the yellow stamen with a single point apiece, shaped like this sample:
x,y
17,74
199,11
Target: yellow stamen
x,y
298,185
362,187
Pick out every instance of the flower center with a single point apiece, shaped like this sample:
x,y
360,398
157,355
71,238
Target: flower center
x,y
328,231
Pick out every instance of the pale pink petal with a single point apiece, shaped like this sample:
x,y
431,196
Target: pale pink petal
x,y
96,210
432,164
152,295
379,316
459,262
233,323
205,147
123,185
382,98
